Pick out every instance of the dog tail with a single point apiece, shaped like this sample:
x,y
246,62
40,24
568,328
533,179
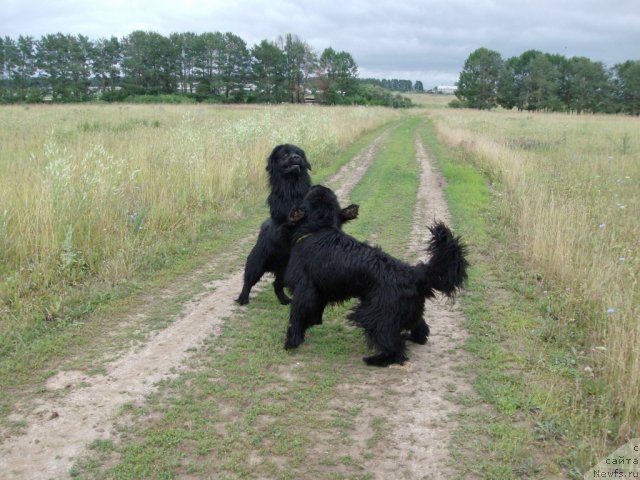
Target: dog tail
x,y
446,270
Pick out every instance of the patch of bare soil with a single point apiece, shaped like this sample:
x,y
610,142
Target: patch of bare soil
x,y
414,400
58,431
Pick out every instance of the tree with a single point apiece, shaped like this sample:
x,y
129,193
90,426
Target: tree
x,y
64,61
3,57
20,65
478,83
207,65
233,66
394,84
338,73
268,70
587,83
541,84
80,54
150,63
510,85
300,64
561,67
186,46
627,86
107,57
515,83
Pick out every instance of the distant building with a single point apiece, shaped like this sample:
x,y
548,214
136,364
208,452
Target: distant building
x,y
445,89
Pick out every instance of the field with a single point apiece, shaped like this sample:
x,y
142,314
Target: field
x,y
119,222
570,186
93,197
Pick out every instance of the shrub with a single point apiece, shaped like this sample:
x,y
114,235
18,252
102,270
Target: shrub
x,y
114,96
164,98
456,103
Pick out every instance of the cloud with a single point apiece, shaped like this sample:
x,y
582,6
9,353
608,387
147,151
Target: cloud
x,y
418,40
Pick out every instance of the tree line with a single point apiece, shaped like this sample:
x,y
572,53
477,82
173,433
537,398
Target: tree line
x,y
395,84
212,67
537,81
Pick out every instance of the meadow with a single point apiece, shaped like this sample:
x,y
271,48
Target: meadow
x,y
567,190
94,196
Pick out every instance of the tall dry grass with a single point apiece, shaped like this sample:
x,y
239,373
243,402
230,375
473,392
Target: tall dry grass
x,y
87,193
572,187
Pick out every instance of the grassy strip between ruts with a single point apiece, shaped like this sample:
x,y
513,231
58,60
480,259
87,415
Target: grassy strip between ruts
x,y
248,408
534,430
102,323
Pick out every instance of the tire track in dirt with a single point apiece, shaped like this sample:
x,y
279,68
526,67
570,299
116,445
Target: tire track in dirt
x,y
352,172
424,404
58,431
414,399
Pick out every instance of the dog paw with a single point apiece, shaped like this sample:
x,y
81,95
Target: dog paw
x,y
292,341
284,301
242,300
384,359
420,339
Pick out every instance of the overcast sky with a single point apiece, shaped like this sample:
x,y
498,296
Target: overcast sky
x,y
408,39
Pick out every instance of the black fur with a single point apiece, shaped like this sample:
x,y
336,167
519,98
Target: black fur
x,y
327,266
288,170
289,180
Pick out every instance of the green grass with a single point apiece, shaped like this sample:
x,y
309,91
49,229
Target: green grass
x,y
524,372
102,323
568,189
248,408
388,191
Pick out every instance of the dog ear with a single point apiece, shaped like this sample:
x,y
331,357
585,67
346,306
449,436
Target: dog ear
x,y
349,213
304,158
271,159
296,215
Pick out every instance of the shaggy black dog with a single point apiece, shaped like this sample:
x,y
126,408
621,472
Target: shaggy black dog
x,y
289,180
327,266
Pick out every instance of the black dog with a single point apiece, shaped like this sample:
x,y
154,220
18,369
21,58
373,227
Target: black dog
x,y
327,266
289,180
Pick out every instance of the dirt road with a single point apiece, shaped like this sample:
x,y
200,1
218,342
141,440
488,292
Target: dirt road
x,y
415,404
57,431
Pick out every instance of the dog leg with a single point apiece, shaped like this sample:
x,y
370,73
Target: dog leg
x,y
419,332
382,329
391,346
384,359
306,310
243,298
253,271
278,287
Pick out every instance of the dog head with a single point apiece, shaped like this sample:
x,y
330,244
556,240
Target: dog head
x,y
287,160
320,209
